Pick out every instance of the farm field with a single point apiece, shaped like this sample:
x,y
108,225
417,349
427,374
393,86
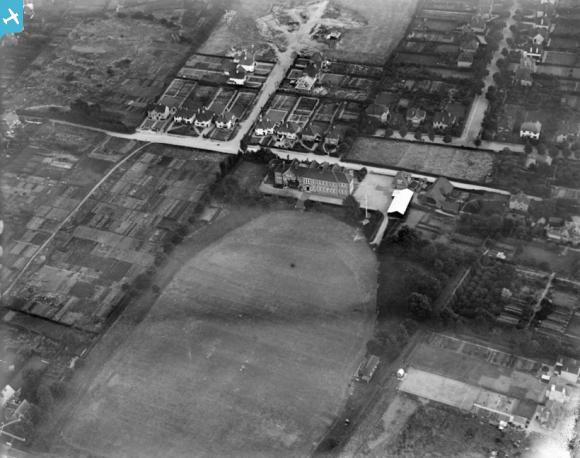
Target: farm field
x,y
253,370
454,163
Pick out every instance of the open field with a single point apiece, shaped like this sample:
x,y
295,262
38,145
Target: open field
x,y
386,24
466,165
120,63
254,369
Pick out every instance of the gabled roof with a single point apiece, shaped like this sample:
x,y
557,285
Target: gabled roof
x,y
247,58
444,117
416,113
313,130
204,115
289,127
440,190
376,110
185,112
401,200
465,57
265,124
531,126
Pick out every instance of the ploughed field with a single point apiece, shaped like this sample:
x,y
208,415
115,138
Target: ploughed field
x,y
248,352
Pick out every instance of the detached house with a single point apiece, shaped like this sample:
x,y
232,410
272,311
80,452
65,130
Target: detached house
x,y
264,127
289,130
247,62
227,120
238,77
203,118
312,133
159,112
443,120
520,202
439,196
465,60
523,77
531,130
184,116
416,116
380,112
308,79
333,137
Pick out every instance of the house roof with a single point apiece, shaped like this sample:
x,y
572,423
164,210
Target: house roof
x,y
440,190
227,116
531,126
443,117
159,108
247,58
265,124
204,115
416,113
470,44
313,130
465,57
376,110
289,127
401,200
456,109
185,112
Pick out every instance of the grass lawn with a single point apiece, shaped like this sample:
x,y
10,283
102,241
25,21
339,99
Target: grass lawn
x,y
251,346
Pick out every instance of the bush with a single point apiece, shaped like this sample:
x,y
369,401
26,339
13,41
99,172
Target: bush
x,y
420,306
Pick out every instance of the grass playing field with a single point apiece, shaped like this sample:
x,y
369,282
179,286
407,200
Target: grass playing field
x,y
247,352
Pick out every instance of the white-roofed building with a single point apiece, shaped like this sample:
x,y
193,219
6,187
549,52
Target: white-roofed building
x,y
400,203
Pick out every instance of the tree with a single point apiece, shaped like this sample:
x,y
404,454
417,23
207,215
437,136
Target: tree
x,y
420,306
418,135
527,148
505,52
447,138
352,209
403,131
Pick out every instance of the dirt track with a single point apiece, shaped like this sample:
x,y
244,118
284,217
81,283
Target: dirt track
x,y
251,346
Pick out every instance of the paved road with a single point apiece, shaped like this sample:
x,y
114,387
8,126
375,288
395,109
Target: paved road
x,y
70,216
479,107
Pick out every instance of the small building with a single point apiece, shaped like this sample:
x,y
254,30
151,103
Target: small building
x,y
312,133
465,60
334,35
520,202
184,116
539,38
380,112
400,203
557,393
402,180
238,77
469,45
439,196
159,112
227,120
531,130
367,369
248,62
203,118
6,395
309,77
534,52
289,130
416,116
264,127
534,159
568,369
333,137
443,120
